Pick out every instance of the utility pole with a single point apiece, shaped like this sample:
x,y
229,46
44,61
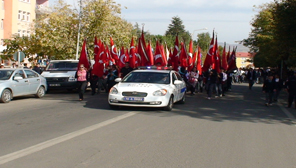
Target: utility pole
x,y
79,27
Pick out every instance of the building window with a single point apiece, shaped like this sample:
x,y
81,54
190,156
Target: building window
x,y
24,16
19,15
19,32
24,32
28,16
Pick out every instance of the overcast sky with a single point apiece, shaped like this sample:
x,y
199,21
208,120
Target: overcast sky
x,y
230,18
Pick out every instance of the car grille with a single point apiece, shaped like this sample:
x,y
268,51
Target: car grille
x,y
61,79
134,94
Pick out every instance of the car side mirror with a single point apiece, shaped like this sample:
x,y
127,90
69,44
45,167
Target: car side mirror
x,y
17,78
118,79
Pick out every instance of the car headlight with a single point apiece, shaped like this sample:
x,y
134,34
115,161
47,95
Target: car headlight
x,y
113,90
72,79
161,92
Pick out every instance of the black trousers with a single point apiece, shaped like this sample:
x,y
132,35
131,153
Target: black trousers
x,y
81,88
93,85
291,98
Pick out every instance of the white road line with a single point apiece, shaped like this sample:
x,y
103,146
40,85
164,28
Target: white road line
x,y
49,143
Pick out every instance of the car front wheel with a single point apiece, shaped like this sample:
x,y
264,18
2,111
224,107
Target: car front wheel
x,y
6,96
41,92
169,107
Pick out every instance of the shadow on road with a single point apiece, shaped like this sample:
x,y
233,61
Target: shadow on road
x,y
240,104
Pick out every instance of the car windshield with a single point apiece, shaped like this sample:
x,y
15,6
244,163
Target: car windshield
x,y
147,77
5,74
62,66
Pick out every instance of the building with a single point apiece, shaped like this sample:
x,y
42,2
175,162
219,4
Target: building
x,y
243,58
17,17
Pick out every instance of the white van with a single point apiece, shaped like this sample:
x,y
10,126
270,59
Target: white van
x,y
60,74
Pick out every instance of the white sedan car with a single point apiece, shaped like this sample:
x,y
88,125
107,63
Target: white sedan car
x,y
148,88
20,82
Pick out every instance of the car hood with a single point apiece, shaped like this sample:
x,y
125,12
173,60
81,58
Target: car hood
x,y
51,74
144,87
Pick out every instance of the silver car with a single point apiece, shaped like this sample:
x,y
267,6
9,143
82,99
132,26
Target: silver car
x,y
20,82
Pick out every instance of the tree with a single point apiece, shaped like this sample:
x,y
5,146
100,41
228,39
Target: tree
x,y
55,33
204,40
273,37
176,28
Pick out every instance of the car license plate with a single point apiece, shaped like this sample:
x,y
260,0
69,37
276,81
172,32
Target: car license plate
x,y
54,84
133,98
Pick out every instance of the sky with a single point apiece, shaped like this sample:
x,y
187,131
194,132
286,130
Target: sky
x,y
230,19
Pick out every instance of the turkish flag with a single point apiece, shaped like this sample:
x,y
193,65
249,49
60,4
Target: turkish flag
x,y
191,60
209,58
224,59
122,58
159,57
98,67
170,59
183,56
96,48
150,55
176,60
228,55
83,59
217,61
142,50
232,61
102,54
132,54
113,52
108,56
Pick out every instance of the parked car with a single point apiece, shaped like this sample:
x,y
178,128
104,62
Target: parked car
x,y
148,88
20,82
60,74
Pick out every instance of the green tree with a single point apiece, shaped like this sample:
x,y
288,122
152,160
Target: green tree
x,y
284,15
176,28
273,37
55,33
204,41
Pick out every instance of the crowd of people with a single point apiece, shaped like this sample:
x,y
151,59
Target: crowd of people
x,y
216,84
36,67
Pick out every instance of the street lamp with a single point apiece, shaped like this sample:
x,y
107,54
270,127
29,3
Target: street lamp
x,y
79,27
198,30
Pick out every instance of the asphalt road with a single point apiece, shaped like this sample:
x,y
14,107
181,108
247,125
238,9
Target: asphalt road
x,y
237,130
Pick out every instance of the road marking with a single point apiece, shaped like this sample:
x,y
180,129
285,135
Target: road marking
x,y
27,151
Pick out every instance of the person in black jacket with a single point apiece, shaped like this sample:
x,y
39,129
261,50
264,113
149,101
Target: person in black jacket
x,y
291,88
212,81
252,77
269,88
278,87
37,69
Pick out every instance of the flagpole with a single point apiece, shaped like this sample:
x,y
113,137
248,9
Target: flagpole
x,y
79,27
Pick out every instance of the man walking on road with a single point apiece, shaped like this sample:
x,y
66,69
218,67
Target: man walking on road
x,y
291,88
251,76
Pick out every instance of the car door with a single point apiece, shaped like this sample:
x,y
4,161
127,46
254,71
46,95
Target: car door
x,y
22,86
175,88
181,87
34,81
